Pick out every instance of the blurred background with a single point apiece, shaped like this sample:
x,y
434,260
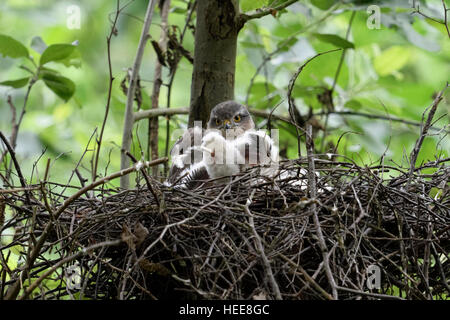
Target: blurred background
x,y
395,70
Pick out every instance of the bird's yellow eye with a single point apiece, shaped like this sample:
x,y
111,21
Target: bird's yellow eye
x,y
237,118
217,121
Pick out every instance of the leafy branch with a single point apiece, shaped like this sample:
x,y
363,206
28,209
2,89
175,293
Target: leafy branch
x,y
445,22
63,87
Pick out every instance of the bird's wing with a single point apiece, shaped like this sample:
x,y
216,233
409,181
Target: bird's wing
x,y
258,147
220,156
197,175
187,159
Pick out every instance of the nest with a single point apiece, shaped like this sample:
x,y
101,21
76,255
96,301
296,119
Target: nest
x,y
361,236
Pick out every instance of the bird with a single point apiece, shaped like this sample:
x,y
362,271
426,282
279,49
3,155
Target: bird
x,y
228,146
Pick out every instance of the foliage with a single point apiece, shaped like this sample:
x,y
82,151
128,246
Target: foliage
x,y
60,53
61,75
395,69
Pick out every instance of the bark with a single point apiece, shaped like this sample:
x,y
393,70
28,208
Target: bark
x,y
217,28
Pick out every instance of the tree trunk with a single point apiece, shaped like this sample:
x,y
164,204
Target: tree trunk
x,y
216,32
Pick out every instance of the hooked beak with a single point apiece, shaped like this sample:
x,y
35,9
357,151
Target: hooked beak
x,y
227,124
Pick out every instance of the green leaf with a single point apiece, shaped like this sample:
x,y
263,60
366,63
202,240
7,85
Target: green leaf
x,y
260,93
249,44
61,86
10,47
73,60
322,4
391,60
178,10
248,5
334,40
38,45
57,52
305,91
353,104
18,83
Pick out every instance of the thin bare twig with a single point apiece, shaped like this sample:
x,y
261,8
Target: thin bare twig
x,y
153,126
292,107
129,119
68,259
260,248
423,133
445,22
16,165
266,11
16,124
108,99
14,290
313,194
192,6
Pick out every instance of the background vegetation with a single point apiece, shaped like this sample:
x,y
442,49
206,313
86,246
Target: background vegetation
x,y
394,70
381,84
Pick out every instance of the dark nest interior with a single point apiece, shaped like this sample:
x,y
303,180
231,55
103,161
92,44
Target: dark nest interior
x,y
366,233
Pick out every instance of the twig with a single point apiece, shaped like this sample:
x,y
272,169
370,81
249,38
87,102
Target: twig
x,y
145,114
14,289
128,122
341,60
15,190
260,248
205,236
153,126
61,262
372,116
16,165
264,12
441,271
445,22
423,134
289,94
168,226
307,277
446,18
16,125
285,43
193,5
108,99
138,166
86,149
299,70
14,128
370,294
313,194
147,180
2,213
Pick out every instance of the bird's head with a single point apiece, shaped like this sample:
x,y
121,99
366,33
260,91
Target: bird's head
x,y
231,118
